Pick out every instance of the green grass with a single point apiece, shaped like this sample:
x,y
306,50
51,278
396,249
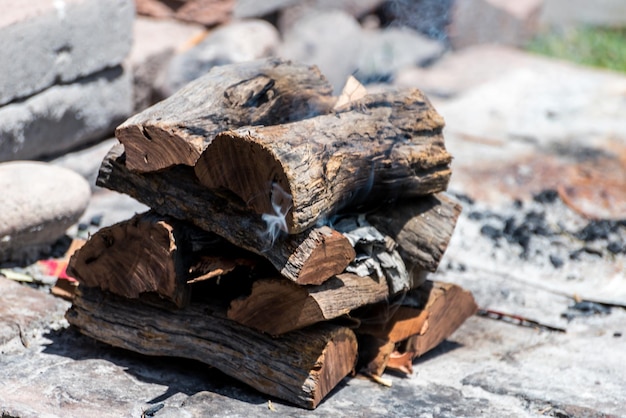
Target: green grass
x,y
596,47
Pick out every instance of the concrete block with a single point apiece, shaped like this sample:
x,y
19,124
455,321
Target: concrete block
x,y
493,21
65,116
51,42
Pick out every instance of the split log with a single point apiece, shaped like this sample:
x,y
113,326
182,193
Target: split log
x,y
301,367
383,146
420,321
148,253
151,253
277,306
308,258
264,92
421,227
448,306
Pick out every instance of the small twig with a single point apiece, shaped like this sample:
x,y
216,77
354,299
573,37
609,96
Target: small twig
x,y
517,320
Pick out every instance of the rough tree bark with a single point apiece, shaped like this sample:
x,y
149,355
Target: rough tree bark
x,y
264,92
301,367
307,258
383,146
277,306
421,227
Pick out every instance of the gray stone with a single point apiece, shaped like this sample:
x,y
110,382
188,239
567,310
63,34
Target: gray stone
x,y
493,21
256,8
235,42
49,42
86,161
65,116
155,41
385,52
112,207
430,17
290,14
334,41
40,202
330,40
24,312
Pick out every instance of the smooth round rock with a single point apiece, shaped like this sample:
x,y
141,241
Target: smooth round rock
x,y
40,202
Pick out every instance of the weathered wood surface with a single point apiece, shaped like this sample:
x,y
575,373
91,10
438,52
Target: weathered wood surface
x,y
147,253
278,306
421,227
265,92
308,258
383,146
448,306
152,253
301,367
416,324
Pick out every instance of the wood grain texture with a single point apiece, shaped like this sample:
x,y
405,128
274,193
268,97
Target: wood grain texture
x,y
145,254
278,306
264,92
307,258
383,146
301,367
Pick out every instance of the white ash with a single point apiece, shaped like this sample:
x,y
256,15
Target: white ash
x,y
376,254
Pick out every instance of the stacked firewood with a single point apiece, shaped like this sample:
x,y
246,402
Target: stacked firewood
x,y
289,234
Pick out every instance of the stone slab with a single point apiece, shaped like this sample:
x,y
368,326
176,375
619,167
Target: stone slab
x,y
65,116
52,42
557,127
487,368
39,203
24,313
458,71
610,13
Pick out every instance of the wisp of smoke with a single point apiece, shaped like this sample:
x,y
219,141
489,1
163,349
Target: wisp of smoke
x,y
277,221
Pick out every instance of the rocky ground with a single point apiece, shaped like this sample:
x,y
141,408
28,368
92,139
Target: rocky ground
x,y
539,152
